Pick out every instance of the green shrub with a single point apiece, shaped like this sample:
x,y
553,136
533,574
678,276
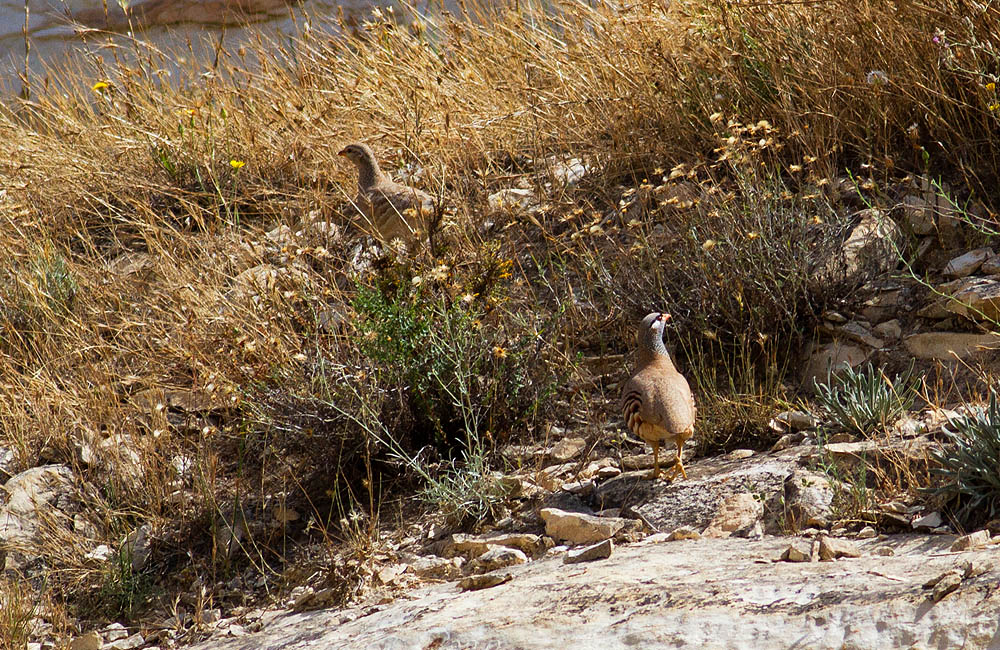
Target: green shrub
x,y
865,401
430,338
969,464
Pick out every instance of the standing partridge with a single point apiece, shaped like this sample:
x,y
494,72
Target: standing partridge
x,y
656,402
394,210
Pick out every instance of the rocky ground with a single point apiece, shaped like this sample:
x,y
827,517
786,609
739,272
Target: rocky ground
x,y
711,579
755,548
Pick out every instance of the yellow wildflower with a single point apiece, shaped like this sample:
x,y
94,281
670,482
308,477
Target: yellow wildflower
x,y
99,86
994,106
236,164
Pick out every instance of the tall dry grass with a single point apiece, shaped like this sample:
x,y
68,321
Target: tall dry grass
x,y
170,284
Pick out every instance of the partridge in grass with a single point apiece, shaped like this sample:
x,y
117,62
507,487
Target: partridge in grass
x,y
656,402
394,210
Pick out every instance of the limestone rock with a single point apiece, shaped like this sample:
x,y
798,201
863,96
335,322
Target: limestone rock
x,y
567,449
919,215
883,305
855,331
867,533
944,584
736,512
31,504
516,199
89,641
470,546
637,461
928,522
831,359
971,541
967,263
599,468
431,566
530,544
975,299
831,548
579,487
750,531
483,581
683,532
608,472
598,551
798,551
498,557
793,421
114,632
949,345
787,440
100,553
721,593
567,172
552,477
6,463
578,528
991,266
937,309
890,330
128,643
808,499
873,244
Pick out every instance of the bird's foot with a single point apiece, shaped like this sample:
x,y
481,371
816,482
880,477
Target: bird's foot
x,y
672,473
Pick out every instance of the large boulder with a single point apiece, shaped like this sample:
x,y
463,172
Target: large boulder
x,y
579,528
967,263
947,346
806,502
874,245
35,506
832,358
974,298
736,512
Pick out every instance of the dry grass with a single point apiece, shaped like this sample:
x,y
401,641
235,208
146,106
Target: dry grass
x,y
167,288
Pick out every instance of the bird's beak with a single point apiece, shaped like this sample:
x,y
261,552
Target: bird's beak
x,y
342,152
665,318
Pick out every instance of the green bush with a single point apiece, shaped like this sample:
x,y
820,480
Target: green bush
x,y
460,376
969,464
865,401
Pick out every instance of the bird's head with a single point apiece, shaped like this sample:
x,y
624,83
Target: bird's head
x,y
358,153
650,336
655,321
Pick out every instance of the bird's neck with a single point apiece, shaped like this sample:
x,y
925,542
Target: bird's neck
x,y
652,348
368,174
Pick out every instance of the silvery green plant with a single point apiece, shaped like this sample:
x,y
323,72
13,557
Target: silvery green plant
x,y
971,463
865,401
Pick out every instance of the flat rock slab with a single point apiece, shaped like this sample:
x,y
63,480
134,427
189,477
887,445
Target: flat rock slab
x,y
694,501
709,593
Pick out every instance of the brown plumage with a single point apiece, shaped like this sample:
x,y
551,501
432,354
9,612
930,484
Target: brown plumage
x,y
656,402
393,210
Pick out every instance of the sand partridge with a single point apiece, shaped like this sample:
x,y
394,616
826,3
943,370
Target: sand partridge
x,y
394,210
656,402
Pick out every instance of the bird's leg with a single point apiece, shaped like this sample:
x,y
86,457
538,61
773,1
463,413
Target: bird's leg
x,y
656,459
678,465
